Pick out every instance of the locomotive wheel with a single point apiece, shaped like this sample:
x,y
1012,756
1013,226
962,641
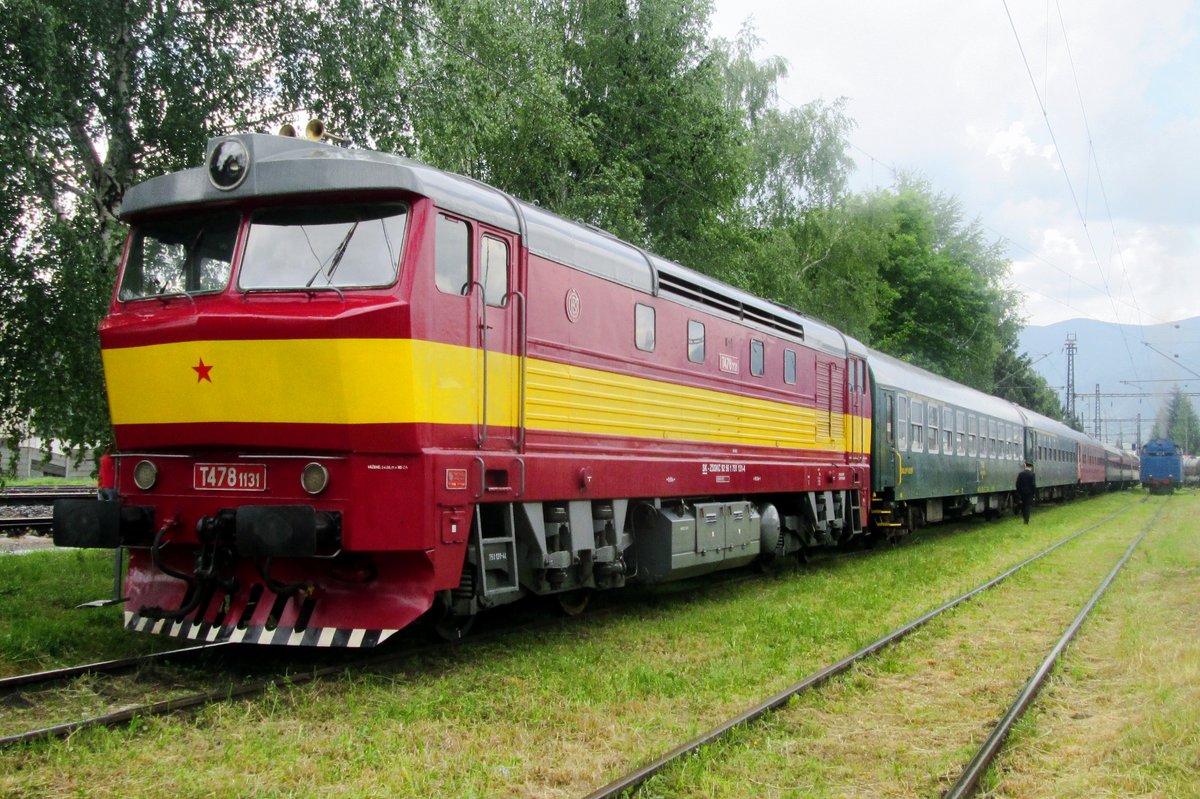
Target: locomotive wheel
x,y
572,603
451,626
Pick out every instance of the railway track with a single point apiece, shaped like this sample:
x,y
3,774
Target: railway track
x,y
30,509
629,783
969,779
43,495
244,688
19,525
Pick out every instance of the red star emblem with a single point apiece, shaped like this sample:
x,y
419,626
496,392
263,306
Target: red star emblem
x,y
202,370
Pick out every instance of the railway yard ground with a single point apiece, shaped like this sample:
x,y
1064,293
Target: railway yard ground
x,y
559,710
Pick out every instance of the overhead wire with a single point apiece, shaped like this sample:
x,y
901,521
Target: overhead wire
x,y
1070,184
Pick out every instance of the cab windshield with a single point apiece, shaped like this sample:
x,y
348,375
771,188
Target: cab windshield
x,y
180,255
356,246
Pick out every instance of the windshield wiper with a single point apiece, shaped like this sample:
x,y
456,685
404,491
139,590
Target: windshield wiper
x,y
168,295
336,258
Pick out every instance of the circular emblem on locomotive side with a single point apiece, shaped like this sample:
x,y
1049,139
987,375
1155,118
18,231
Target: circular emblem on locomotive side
x,y
574,305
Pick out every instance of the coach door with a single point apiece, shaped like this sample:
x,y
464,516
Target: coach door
x,y
498,308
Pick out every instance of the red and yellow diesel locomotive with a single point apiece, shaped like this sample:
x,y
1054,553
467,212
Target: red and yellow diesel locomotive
x,y
350,390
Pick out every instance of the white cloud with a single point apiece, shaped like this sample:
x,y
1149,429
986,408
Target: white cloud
x,y
1100,205
1013,144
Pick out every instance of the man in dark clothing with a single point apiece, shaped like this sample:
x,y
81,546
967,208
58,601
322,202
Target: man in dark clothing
x,y
1026,487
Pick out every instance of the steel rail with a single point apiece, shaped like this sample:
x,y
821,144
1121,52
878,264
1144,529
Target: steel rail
x,y
228,693
32,522
968,781
9,684
635,778
43,496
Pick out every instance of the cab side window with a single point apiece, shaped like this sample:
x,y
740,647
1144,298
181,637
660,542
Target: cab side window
x,y
495,271
452,265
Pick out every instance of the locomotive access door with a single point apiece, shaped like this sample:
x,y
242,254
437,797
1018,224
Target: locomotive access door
x,y
497,309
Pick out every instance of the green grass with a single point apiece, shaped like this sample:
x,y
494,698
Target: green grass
x,y
40,627
28,482
553,713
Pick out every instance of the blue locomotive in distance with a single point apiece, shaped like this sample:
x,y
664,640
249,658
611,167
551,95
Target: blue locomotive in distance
x,y
1161,466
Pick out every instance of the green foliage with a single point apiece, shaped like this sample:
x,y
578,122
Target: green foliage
x,y
622,115
1177,420
944,305
98,94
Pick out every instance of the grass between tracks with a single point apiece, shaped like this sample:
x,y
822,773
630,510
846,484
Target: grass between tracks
x,y
1121,716
548,714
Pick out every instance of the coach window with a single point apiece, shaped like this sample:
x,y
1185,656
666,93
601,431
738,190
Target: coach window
x,y
972,432
931,431
495,271
643,321
902,423
695,341
757,357
948,431
889,417
990,437
918,425
960,433
453,257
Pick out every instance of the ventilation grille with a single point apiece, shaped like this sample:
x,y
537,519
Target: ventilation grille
x,y
685,289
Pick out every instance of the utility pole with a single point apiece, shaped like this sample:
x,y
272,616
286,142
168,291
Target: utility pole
x,y
1097,428
1070,404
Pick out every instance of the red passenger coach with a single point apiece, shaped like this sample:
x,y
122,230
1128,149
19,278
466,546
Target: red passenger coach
x,y
350,390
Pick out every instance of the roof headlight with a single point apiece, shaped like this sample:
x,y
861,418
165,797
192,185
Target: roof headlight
x,y
314,478
145,475
228,164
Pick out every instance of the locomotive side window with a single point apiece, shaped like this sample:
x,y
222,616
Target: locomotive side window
x,y
344,246
643,336
179,255
789,367
695,341
495,271
757,357
452,267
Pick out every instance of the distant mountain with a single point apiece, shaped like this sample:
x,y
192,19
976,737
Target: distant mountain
x,y
1124,360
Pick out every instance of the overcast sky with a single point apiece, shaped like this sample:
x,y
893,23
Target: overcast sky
x,y
1104,226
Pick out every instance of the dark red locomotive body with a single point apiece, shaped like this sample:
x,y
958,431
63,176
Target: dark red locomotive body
x,y
349,389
